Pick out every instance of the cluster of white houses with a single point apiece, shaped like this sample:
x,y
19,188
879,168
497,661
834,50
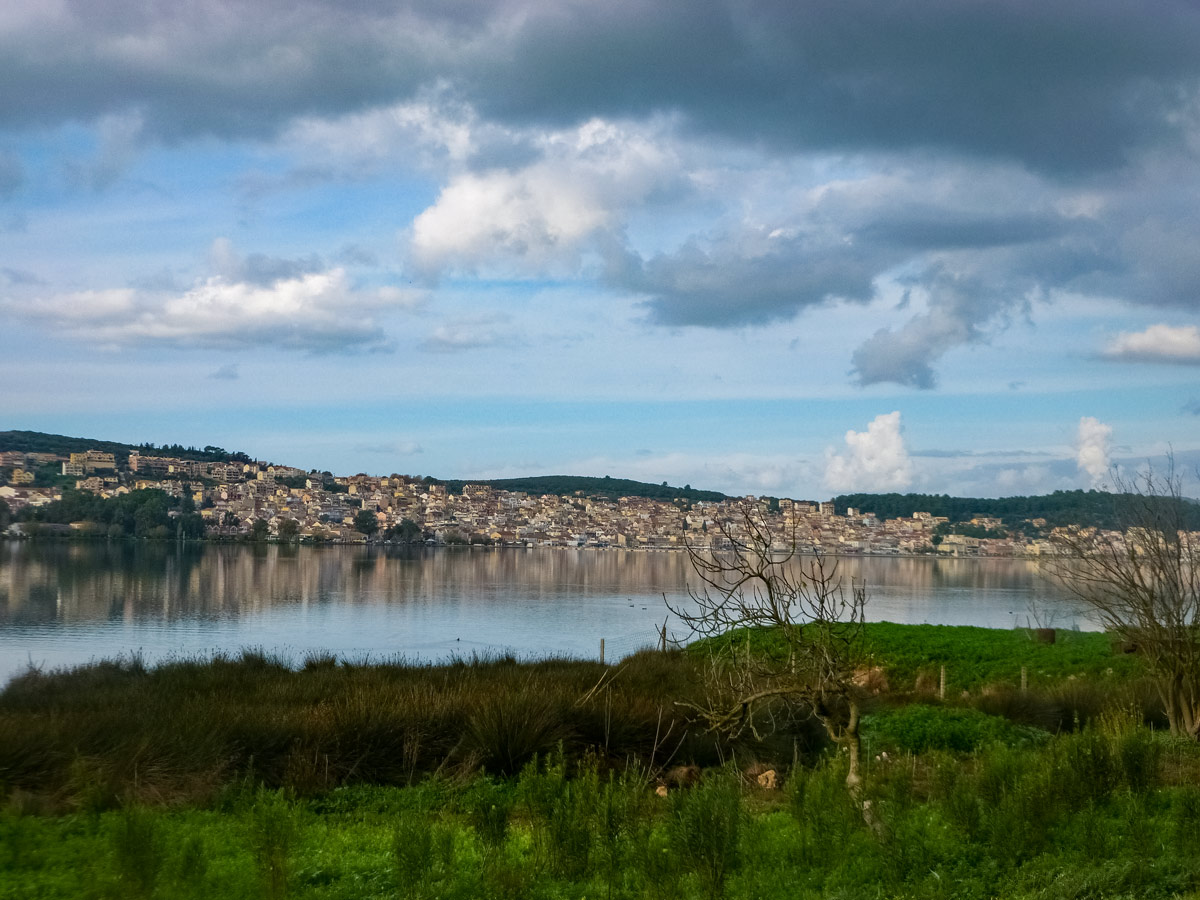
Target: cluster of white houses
x,y
231,496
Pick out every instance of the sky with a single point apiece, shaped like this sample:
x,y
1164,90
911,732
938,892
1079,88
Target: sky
x,y
789,248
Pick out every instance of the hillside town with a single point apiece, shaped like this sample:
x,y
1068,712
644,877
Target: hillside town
x,y
241,500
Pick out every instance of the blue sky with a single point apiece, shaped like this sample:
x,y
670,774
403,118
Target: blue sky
x,y
789,248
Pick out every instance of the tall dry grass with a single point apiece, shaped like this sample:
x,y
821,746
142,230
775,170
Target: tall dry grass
x,y
102,734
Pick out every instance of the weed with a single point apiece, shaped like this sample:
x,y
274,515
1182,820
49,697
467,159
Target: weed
x,y
137,850
489,808
272,835
412,853
706,829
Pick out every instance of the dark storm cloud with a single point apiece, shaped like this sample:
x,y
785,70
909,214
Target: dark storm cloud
x,y
1068,86
932,227
960,308
748,280
1062,86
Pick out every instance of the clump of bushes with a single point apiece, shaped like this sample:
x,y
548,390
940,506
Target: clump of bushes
x,y
919,728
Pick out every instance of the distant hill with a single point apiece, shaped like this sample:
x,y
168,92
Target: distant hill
x,y
40,442
591,487
61,444
1098,508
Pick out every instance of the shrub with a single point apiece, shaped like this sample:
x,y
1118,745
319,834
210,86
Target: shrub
x,y
272,834
509,730
412,852
489,808
919,728
137,848
706,829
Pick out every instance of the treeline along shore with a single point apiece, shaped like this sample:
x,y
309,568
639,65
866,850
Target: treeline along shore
x,y
996,764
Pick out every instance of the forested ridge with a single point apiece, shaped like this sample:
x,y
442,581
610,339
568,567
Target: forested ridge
x,y
1096,508
63,445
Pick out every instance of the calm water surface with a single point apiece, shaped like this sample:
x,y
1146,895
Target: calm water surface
x,y
64,603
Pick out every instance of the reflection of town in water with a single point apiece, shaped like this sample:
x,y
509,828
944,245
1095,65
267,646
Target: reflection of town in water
x,y
104,598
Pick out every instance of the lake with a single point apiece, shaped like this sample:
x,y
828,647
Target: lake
x,y
64,603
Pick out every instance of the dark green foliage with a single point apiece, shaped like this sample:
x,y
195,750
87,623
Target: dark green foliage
x,y
365,522
259,530
406,532
288,529
138,513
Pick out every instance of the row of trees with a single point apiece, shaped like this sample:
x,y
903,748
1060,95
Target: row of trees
x,y
144,513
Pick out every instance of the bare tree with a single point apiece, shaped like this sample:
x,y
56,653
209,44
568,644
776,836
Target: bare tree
x,y
805,627
1142,584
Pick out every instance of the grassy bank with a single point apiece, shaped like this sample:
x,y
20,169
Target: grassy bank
x,y
247,777
184,729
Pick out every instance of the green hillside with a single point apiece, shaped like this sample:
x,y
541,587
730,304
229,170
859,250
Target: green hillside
x,y
61,444
591,487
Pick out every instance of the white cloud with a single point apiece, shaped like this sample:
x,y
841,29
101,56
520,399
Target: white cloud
x,y
311,311
439,131
1158,343
1092,449
470,333
876,459
543,213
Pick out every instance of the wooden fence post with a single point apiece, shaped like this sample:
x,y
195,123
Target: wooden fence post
x,y
942,685
601,651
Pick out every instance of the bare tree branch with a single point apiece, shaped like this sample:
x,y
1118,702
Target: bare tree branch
x,y
1143,585
763,589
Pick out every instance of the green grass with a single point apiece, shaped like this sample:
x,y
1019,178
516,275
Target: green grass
x,y
1064,820
975,657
